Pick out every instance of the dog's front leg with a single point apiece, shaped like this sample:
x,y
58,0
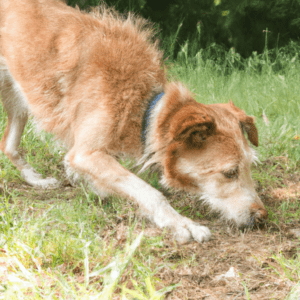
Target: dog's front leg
x,y
107,174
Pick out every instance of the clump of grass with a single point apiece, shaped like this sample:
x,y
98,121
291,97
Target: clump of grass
x,y
295,292
288,268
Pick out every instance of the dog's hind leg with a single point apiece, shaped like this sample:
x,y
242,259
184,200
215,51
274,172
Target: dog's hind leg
x,y
16,107
107,174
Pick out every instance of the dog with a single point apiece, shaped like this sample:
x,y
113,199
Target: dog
x,y
97,81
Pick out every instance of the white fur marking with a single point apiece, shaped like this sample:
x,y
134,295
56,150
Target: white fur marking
x,y
12,140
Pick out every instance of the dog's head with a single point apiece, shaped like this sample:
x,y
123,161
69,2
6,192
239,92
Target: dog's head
x,y
208,154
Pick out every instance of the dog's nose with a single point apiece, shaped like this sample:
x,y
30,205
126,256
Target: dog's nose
x,y
259,213
262,213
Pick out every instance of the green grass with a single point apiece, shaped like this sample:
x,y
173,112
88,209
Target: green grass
x,y
69,244
70,249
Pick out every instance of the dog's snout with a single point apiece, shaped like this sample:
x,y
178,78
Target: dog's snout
x,y
258,215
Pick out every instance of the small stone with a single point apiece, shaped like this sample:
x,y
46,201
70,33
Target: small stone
x,y
295,232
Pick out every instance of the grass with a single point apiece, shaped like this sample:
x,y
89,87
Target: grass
x,y
70,244
57,249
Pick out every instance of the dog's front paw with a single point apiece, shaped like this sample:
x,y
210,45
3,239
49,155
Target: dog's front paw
x,y
199,233
50,183
190,232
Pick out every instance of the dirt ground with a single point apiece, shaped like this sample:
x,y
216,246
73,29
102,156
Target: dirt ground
x,y
232,259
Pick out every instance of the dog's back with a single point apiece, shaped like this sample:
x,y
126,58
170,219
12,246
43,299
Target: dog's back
x,y
57,54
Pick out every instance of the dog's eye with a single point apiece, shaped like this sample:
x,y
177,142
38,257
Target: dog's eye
x,y
198,137
232,174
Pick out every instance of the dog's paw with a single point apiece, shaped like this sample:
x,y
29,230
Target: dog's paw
x,y
35,179
49,183
199,233
192,231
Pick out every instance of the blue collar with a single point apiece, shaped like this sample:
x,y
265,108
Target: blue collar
x,y
147,115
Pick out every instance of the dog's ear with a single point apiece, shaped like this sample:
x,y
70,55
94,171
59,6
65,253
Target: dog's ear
x,y
246,122
191,125
248,126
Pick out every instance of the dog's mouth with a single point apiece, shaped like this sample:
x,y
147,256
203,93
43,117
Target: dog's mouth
x,y
254,222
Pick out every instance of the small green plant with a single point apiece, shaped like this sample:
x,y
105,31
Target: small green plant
x,y
295,292
150,294
170,43
246,290
290,267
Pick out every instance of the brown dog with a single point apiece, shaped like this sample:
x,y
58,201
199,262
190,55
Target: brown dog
x,y
97,82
